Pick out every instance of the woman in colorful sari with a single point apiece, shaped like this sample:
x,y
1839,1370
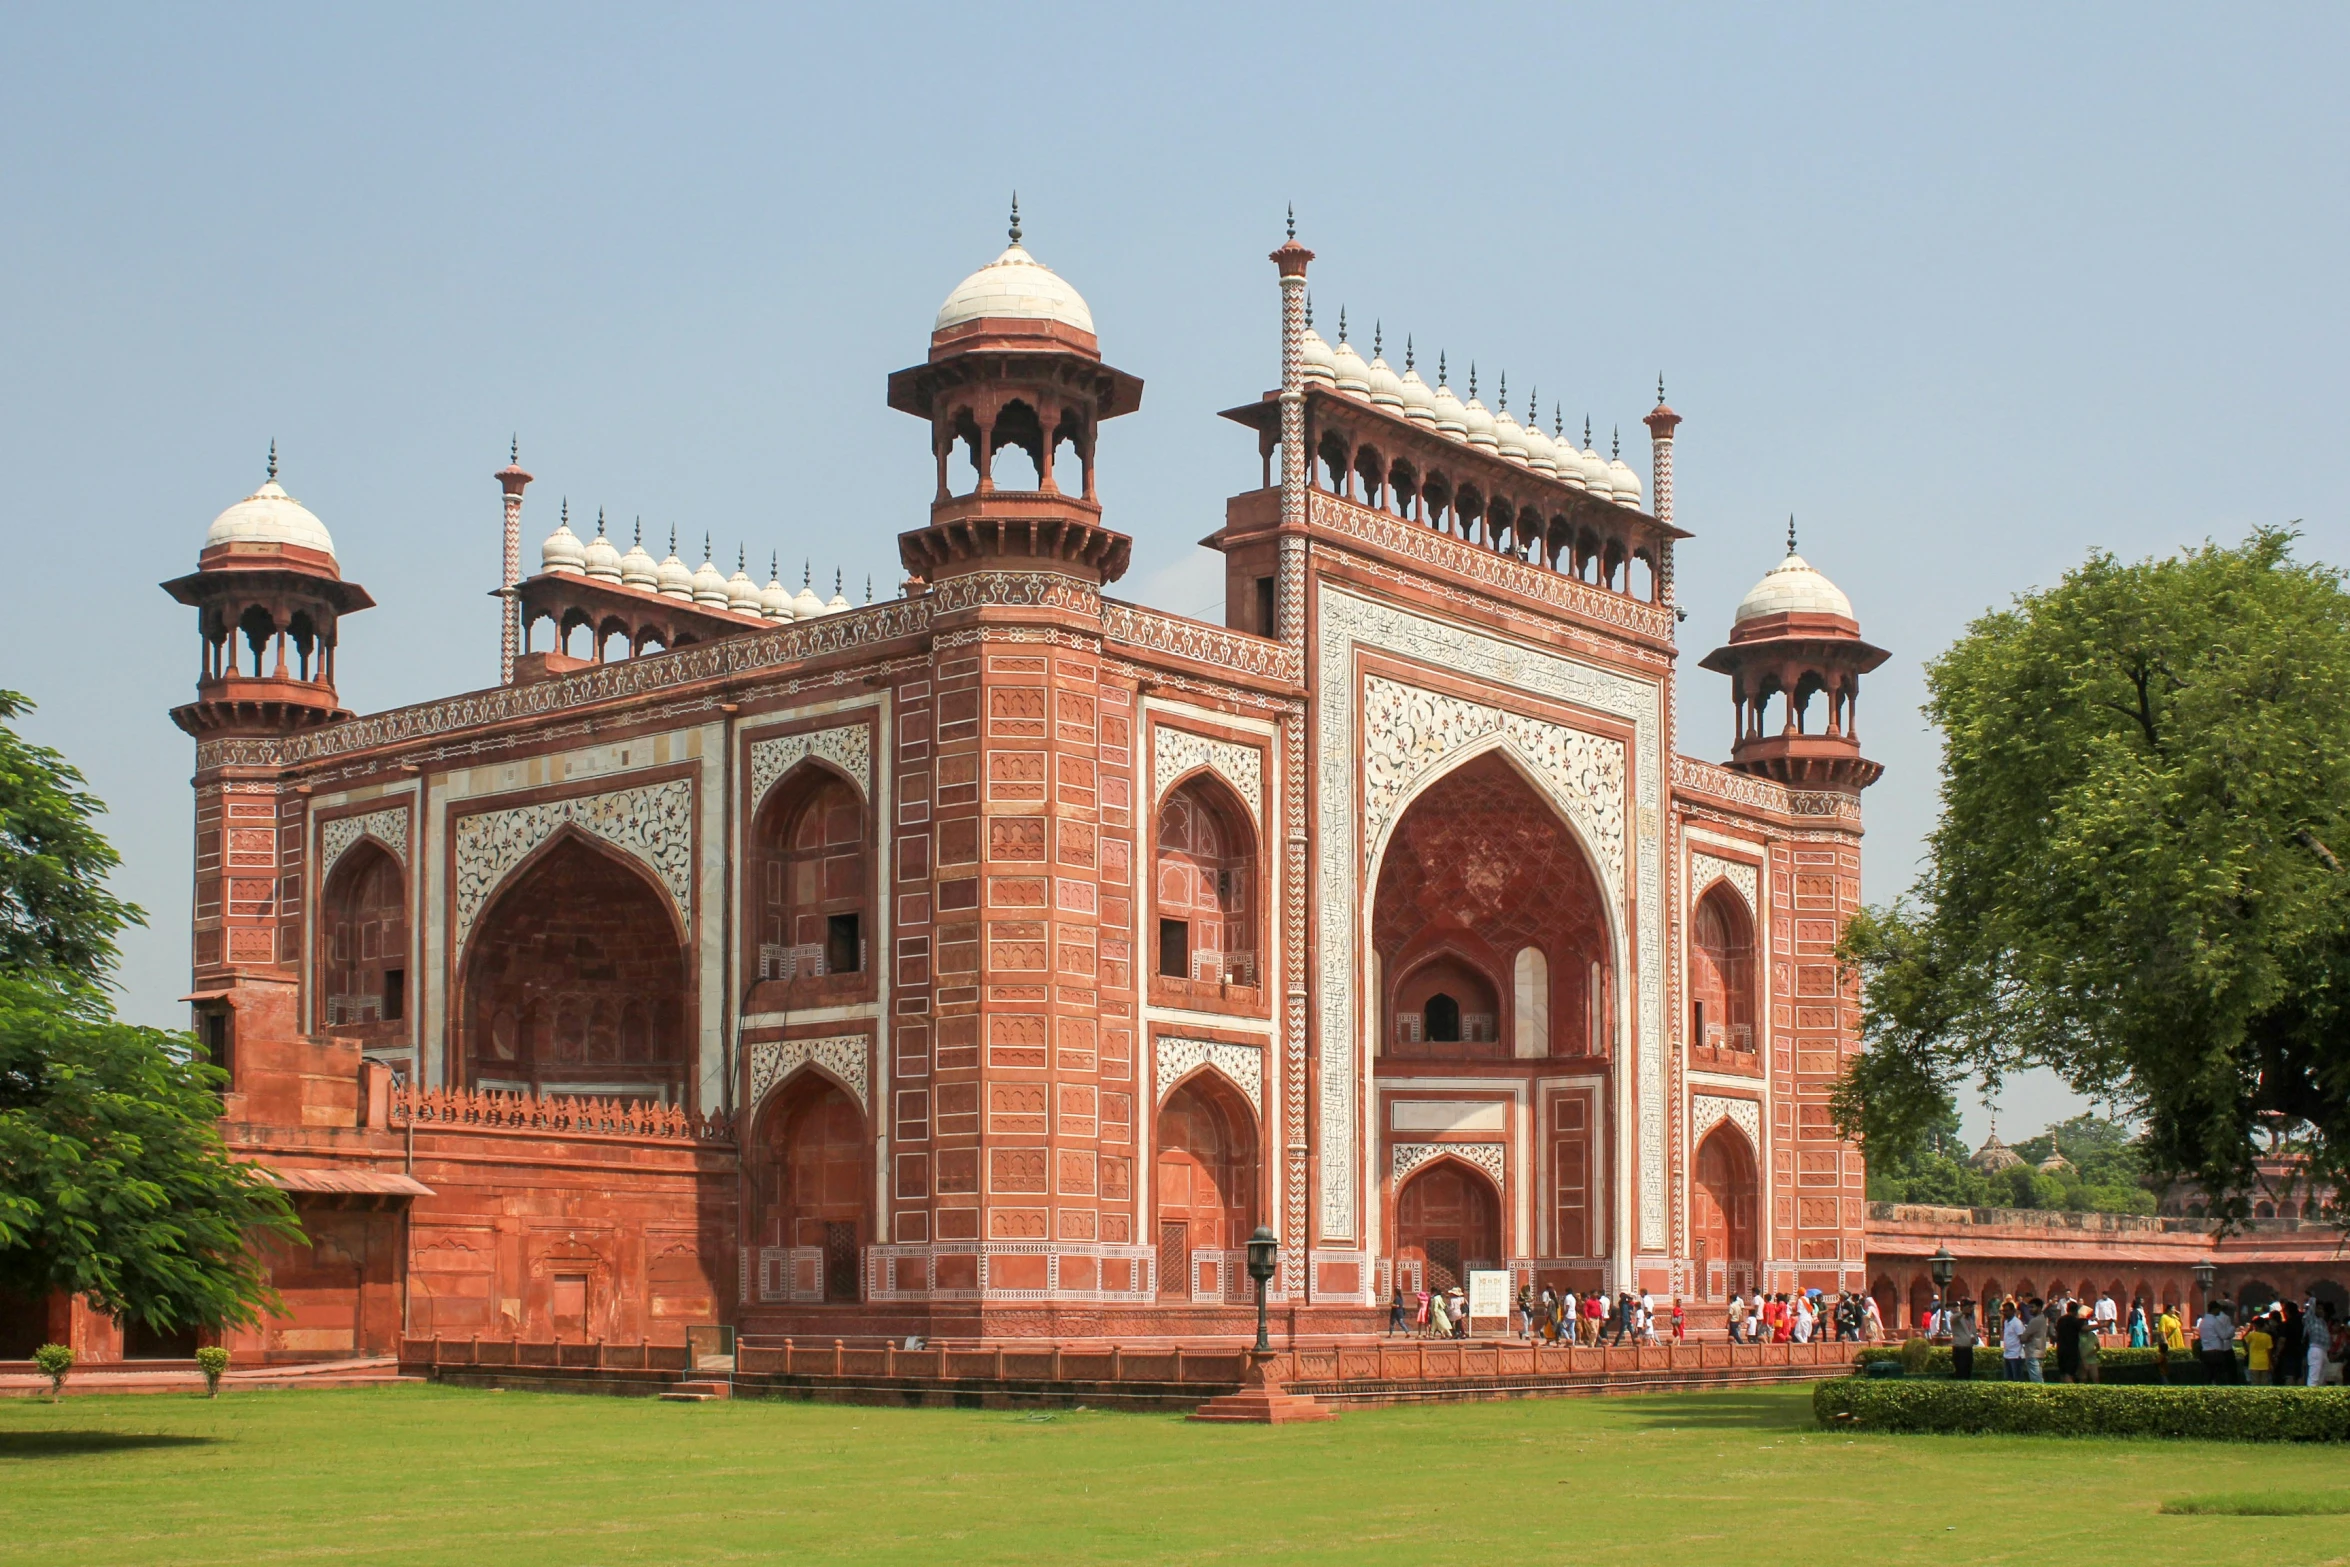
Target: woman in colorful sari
x,y
1440,1319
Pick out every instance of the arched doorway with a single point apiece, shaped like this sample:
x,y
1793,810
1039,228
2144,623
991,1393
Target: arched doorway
x,y
363,946
1206,1188
812,1138
1722,1211
1448,1220
575,983
814,881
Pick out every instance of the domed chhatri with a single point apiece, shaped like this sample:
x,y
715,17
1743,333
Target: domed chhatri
x,y
269,517
1015,287
1994,1156
1793,638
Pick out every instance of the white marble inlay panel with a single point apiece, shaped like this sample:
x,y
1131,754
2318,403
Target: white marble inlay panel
x,y
846,1056
1492,1158
1175,752
1706,869
848,747
387,827
1243,1066
1447,1115
1707,1111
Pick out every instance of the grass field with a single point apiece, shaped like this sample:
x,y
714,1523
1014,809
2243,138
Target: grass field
x,y
418,1475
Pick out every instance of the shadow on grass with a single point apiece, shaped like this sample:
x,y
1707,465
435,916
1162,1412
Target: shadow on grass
x,y
68,1444
2262,1504
1758,1411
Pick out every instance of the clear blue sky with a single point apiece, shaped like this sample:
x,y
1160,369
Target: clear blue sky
x,y
1969,291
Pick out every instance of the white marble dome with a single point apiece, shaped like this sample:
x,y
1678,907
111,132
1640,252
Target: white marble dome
x,y
1419,401
1477,420
1595,474
1539,450
1446,412
1623,481
676,578
742,594
637,569
562,551
775,598
270,516
1314,358
602,559
1348,371
1792,587
1015,286
1386,387
1509,436
709,583
805,605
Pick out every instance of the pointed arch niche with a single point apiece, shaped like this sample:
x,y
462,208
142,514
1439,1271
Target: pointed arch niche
x,y
362,961
1490,927
1204,894
1205,1182
809,927
575,981
1725,1034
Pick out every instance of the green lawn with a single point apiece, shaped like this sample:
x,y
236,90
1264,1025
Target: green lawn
x,y
415,1474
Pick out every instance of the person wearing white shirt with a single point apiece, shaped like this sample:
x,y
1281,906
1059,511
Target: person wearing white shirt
x,y
2215,1337
2011,1347
2108,1315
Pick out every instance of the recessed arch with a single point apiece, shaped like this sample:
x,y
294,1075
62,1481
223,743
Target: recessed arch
x,y
1204,884
1448,1220
575,980
814,1184
1204,1185
362,959
1723,978
811,884
1724,1218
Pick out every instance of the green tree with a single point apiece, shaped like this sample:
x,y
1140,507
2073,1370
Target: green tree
x,y
2134,880
114,1182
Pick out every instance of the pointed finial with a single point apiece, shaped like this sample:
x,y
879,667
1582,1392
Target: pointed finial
x,y
1440,376
1015,217
1378,335
1342,323
514,449
1660,388
774,563
566,511
1309,312
1791,550
740,552
273,459
1472,380
705,548
1292,235
836,582
869,584
673,538
807,573
1558,423
1504,393
1407,350
639,540
1587,432
1615,445
599,522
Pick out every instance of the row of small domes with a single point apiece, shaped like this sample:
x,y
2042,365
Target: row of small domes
x,y
705,584
1471,423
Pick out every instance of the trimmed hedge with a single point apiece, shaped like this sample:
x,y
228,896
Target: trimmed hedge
x,y
2124,1366
2210,1414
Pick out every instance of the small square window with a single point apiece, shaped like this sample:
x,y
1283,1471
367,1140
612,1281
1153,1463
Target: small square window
x,y
843,950
1175,948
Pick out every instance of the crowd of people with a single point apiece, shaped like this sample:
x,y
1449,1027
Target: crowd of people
x,y
2282,1344
1638,1317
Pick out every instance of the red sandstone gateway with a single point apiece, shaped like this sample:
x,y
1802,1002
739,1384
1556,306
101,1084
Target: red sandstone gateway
x,y
993,959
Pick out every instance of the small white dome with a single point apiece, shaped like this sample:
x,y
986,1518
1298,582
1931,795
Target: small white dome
x,y
1446,413
1386,387
270,516
1477,421
676,577
1016,286
563,552
1625,482
1347,369
602,560
637,569
742,594
1792,588
1595,475
775,599
1314,358
1509,436
1539,450
836,604
1419,402
805,605
709,582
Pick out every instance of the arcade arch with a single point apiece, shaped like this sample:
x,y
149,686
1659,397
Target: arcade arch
x,y
1723,1202
575,982
1447,1221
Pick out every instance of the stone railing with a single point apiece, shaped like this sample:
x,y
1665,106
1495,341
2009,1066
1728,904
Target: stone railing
x,y
554,1115
1019,1362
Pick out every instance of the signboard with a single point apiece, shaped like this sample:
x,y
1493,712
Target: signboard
x,y
1489,1293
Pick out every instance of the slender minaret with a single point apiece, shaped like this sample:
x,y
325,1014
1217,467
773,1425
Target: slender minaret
x,y
1661,421
511,479
1291,258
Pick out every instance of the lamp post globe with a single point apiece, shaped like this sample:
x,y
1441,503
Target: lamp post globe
x,y
2205,1272
1943,1266
1263,1248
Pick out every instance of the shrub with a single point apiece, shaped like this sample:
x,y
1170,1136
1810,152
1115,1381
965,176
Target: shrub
x,y
1915,1352
2231,1414
212,1360
2124,1366
53,1362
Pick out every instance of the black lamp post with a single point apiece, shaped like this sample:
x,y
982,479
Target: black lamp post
x,y
1263,1247
2204,1274
1944,1267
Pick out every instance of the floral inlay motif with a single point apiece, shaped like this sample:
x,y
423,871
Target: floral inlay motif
x,y
1175,752
386,827
1706,869
1241,1065
652,823
849,748
845,1056
1404,1158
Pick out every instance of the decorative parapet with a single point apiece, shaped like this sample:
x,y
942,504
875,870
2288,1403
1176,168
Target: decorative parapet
x,y
1748,792
1202,643
744,655
1490,568
555,1115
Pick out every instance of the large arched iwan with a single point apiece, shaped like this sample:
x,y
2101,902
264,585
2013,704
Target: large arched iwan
x,y
1480,868
1206,1183
1447,1221
575,982
1723,1200
814,1157
363,947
